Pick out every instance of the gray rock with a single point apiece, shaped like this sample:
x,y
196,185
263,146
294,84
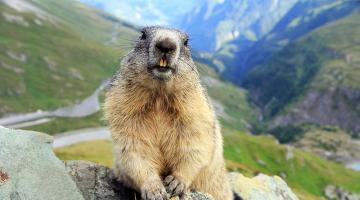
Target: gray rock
x,y
199,196
261,187
97,182
29,170
337,193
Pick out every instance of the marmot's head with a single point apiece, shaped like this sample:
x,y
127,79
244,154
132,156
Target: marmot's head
x,y
159,55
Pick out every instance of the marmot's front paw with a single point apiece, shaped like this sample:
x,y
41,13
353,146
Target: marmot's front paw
x,y
174,186
154,190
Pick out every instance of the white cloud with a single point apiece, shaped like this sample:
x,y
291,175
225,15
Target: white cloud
x,y
146,12
138,16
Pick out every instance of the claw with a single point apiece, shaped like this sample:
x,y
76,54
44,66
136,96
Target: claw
x,y
174,187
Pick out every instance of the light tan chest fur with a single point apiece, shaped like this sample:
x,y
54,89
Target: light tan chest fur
x,y
167,126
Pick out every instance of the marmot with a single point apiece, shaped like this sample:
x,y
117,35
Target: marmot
x,y
166,136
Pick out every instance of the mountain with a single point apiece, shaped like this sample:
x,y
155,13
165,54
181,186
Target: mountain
x,y
249,32
216,22
278,50
313,80
304,17
301,71
53,53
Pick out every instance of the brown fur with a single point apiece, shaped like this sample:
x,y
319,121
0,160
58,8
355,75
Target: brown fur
x,y
166,128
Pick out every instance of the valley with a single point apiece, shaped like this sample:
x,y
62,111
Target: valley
x,y
299,64
320,84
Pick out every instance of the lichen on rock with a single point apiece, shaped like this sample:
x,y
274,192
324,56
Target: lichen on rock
x,y
261,187
30,169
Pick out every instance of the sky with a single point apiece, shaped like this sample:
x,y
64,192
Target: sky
x,y
146,12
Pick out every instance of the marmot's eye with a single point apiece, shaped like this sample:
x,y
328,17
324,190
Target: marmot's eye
x,y
143,35
186,42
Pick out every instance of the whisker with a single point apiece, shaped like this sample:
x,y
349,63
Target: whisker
x,y
123,47
192,67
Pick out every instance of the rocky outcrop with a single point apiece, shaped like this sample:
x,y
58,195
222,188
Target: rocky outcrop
x,y
337,193
30,170
98,182
261,187
335,106
330,143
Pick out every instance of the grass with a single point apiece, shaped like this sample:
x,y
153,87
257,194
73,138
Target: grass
x,y
240,113
236,105
305,173
75,44
95,151
286,75
59,125
342,68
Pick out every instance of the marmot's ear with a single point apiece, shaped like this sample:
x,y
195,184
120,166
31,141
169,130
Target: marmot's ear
x,y
113,81
186,42
143,35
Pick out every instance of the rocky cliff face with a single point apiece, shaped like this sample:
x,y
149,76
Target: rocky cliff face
x,y
315,79
329,142
245,21
30,170
340,107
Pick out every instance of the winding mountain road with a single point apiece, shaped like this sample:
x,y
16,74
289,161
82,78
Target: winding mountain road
x,y
88,106
81,135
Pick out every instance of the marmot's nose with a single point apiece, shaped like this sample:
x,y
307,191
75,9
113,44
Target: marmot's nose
x,y
166,45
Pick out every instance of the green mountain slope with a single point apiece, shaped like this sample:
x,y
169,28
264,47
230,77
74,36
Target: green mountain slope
x,y
53,53
231,103
306,174
315,80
